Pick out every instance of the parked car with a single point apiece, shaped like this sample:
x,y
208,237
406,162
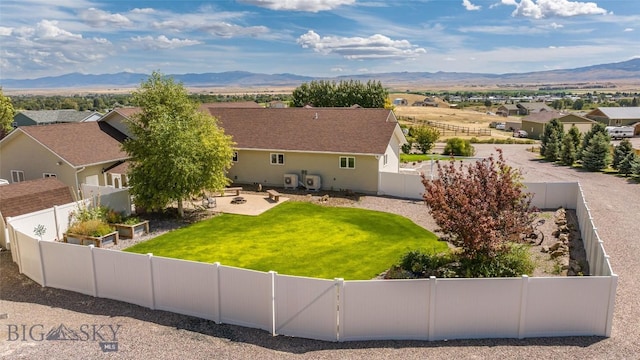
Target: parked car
x,y
520,134
501,126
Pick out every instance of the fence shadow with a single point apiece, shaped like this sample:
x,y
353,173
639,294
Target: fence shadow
x,y
19,288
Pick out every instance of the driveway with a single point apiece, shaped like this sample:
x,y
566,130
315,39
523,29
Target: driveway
x,y
143,333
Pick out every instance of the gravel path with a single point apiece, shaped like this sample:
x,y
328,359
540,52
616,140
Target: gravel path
x,y
144,333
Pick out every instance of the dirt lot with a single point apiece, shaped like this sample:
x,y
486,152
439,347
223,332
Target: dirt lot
x,y
145,333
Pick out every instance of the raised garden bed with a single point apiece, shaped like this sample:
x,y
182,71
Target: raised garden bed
x,y
97,241
130,231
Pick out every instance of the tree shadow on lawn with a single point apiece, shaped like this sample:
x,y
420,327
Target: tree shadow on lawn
x,y
19,288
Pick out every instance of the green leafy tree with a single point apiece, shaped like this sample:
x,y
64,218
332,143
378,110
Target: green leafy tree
x,y
578,104
176,151
6,115
481,207
324,93
425,137
458,147
597,128
620,152
551,140
597,155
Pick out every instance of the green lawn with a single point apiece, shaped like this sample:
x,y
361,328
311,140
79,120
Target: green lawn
x,y
299,238
422,157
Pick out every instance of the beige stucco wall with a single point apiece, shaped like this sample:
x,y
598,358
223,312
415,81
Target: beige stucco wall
x,y
23,153
255,167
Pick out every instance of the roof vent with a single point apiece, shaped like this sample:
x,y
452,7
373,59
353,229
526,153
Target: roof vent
x,y
315,117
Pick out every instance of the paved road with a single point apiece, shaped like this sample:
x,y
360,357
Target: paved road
x,y
143,333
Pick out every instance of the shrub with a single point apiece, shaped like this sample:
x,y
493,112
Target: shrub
x,y
90,228
480,207
597,155
514,261
458,147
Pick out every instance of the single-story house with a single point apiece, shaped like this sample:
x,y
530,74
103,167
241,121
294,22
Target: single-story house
x,y
29,196
74,153
508,110
400,102
528,108
535,124
318,148
617,116
45,117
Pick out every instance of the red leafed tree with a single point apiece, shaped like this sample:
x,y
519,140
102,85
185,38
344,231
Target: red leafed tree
x,y
480,207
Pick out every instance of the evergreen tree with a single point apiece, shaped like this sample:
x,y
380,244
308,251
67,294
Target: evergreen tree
x,y
597,128
597,155
621,151
551,140
626,165
554,145
575,135
569,152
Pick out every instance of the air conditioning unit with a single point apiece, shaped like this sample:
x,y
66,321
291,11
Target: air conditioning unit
x,y
312,182
290,181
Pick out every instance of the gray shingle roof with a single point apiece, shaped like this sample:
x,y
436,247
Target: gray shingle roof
x,y
33,195
56,116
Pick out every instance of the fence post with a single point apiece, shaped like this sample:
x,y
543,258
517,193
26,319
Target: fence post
x,y
339,284
217,266
55,220
432,308
93,271
42,273
273,302
524,291
612,300
151,288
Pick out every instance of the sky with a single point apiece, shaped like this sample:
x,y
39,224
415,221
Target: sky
x,y
322,38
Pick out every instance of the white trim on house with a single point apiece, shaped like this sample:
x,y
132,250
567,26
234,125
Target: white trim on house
x,y
17,176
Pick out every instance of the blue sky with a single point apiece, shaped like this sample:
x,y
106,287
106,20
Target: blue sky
x,y
313,37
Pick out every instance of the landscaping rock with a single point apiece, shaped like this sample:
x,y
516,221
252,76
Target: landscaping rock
x,y
544,249
555,246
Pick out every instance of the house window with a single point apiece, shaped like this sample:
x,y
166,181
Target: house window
x,y
235,156
17,176
385,159
347,162
277,159
48,175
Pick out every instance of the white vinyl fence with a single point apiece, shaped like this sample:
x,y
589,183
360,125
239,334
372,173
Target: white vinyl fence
x,y
338,310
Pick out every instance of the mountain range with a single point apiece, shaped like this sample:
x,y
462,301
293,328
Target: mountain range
x,y
613,72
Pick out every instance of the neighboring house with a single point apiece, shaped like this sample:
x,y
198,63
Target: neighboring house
x,y
30,196
508,110
535,124
45,117
426,102
277,104
617,116
341,148
400,102
74,153
528,108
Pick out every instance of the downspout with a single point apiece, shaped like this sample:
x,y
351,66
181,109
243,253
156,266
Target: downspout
x,y
77,182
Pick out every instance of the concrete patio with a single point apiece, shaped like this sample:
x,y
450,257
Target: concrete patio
x,y
255,204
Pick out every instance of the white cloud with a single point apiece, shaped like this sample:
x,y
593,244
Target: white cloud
x,y
469,6
5,31
628,30
143,11
163,42
556,26
100,18
299,5
49,30
358,48
539,9
227,30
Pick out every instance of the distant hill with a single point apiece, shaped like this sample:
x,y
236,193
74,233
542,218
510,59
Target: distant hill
x,y
597,73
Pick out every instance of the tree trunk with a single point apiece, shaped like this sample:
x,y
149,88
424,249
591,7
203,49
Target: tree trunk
x,y
180,209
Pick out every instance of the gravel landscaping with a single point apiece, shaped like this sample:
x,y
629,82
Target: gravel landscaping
x,y
145,333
